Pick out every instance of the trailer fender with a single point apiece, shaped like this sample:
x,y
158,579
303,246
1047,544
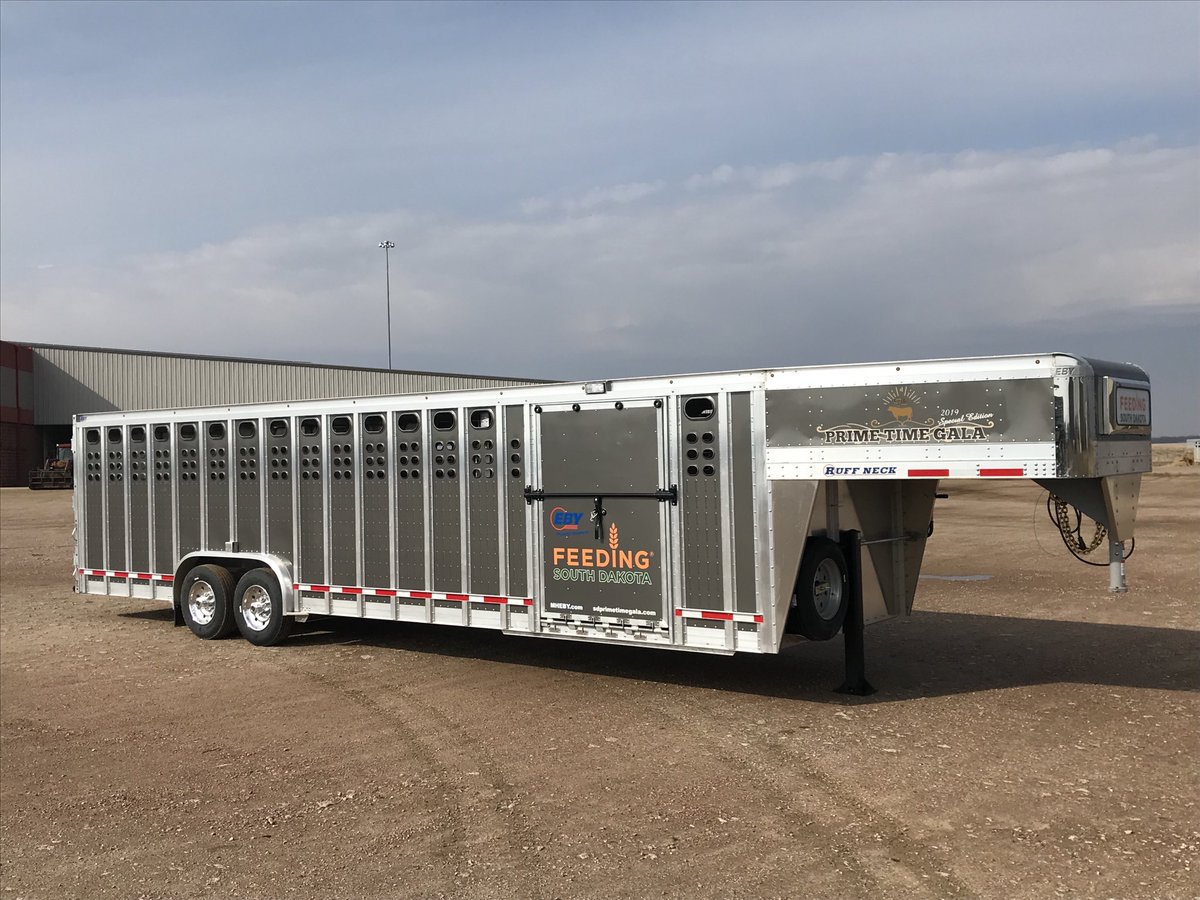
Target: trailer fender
x,y
237,563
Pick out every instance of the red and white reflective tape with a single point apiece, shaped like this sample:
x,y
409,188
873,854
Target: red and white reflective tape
x,y
973,472
414,595
110,573
719,616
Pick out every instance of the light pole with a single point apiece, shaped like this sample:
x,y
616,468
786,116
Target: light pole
x,y
387,274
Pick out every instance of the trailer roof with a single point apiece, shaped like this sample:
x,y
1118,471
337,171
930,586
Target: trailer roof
x,y
276,362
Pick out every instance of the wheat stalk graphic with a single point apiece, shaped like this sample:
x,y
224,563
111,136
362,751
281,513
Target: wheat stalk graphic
x,y
613,540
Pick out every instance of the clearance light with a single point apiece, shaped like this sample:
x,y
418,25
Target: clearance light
x,y
597,387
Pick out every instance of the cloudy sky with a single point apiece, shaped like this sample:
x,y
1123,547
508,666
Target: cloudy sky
x,y
585,190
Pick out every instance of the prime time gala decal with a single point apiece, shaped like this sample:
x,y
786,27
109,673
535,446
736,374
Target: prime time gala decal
x,y
910,424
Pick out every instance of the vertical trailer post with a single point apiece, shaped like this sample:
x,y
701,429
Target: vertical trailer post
x,y
1116,567
852,629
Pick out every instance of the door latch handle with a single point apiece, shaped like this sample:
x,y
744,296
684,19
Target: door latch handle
x,y
598,515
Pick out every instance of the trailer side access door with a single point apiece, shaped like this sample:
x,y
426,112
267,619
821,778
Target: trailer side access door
x,y
602,514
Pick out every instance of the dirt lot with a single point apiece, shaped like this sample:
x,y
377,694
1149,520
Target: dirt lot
x,y
1033,736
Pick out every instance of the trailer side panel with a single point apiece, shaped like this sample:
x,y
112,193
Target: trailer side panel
x,y
511,467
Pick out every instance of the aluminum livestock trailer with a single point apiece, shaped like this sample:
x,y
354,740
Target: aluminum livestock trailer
x,y
711,512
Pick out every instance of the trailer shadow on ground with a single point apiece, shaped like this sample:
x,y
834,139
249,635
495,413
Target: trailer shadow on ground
x,y
932,654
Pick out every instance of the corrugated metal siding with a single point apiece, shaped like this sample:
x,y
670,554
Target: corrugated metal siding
x,y
70,381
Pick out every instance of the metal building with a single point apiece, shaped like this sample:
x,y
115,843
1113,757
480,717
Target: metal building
x,y
43,385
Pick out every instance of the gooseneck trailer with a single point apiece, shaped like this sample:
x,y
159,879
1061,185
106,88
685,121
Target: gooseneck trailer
x,y
703,512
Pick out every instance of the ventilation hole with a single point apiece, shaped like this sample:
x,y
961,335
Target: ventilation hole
x,y
381,474
279,428
707,437
373,424
488,459
691,438
515,444
439,460
93,436
516,458
516,473
699,408
450,473
449,445
438,473
137,434
114,435
691,454
708,453
709,470
247,430
416,460
310,427
444,420
487,445
475,473
450,460
408,422
340,425
403,446
692,470
481,419
490,473
404,473
416,475
283,476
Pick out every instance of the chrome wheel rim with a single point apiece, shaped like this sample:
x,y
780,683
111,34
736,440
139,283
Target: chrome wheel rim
x,y
256,607
827,589
202,603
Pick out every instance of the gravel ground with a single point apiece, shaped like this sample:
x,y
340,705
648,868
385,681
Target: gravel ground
x,y
1033,736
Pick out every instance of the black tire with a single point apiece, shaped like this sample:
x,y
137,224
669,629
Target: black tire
x,y
258,609
206,602
822,592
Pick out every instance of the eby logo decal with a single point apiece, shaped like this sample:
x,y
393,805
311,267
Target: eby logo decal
x,y
563,521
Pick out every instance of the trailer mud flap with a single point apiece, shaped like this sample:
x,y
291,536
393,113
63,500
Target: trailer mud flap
x,y
602,513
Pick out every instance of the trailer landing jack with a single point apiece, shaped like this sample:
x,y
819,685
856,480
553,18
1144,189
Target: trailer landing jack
x,y
855,682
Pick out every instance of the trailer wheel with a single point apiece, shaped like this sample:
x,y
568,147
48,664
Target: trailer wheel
x,y
821,595
258,609
206,602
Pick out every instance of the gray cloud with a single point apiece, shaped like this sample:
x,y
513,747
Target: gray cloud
x,y
854,258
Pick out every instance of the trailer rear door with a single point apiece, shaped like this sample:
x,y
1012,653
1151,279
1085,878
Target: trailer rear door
x,y
602,507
